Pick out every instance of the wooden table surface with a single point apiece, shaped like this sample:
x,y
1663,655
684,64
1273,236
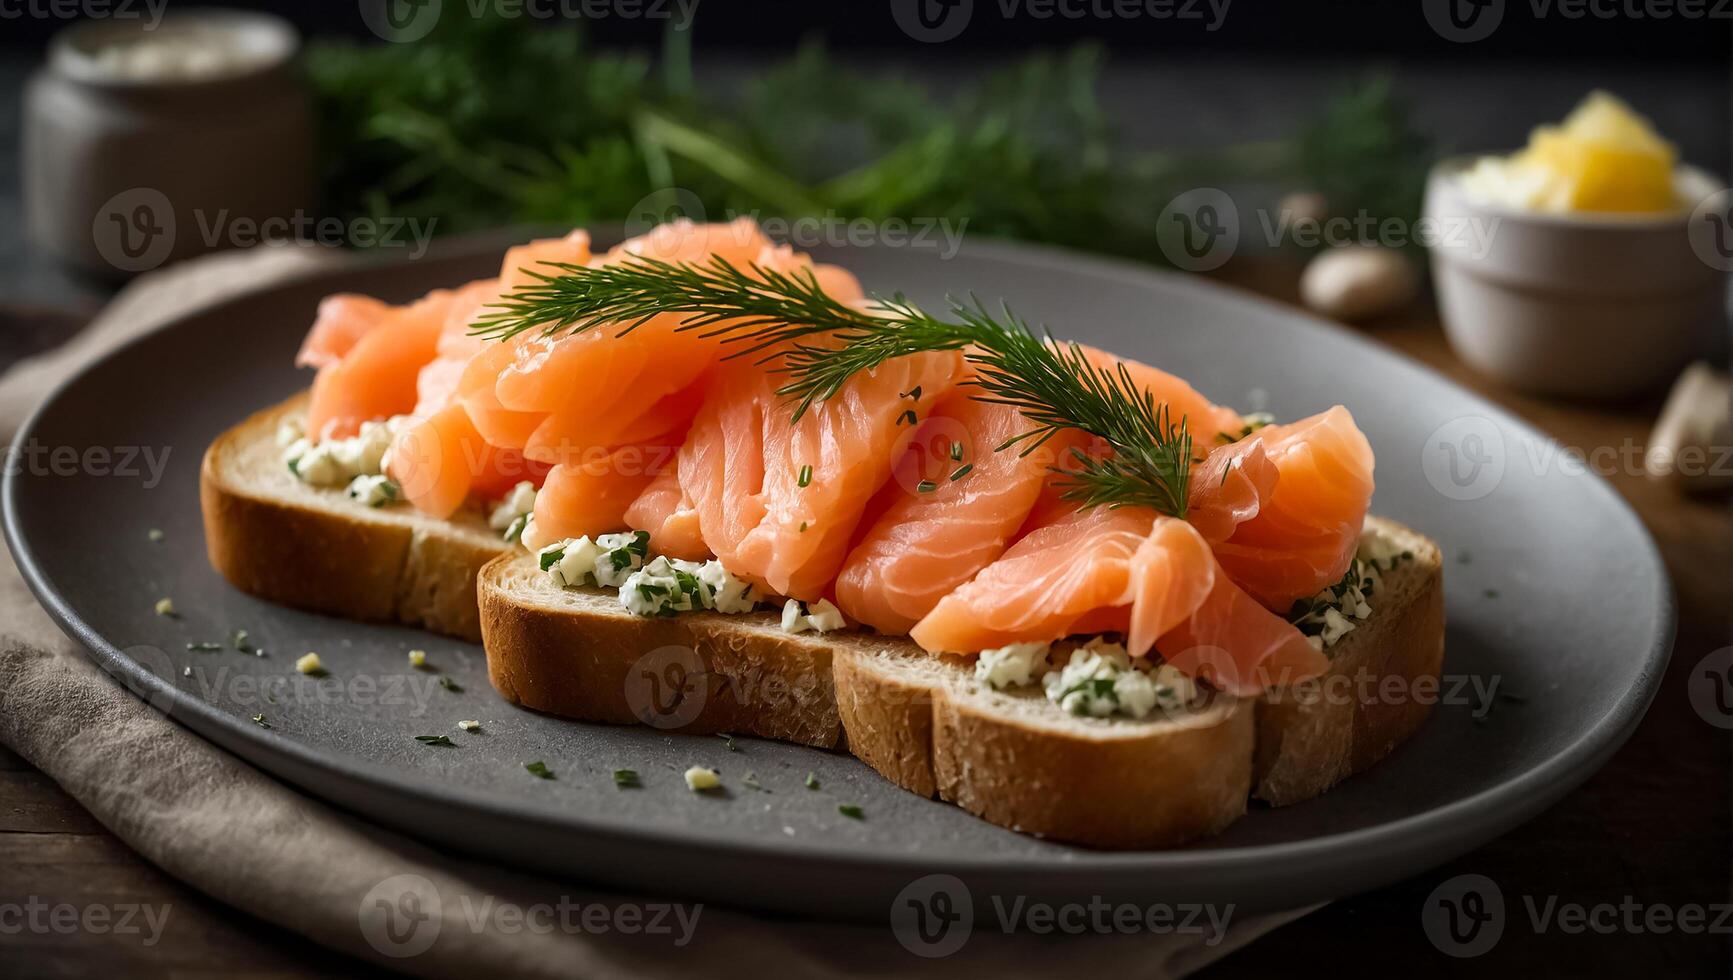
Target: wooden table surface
x,y
1652,826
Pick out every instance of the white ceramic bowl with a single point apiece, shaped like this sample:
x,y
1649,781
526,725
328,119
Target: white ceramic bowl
x,y
1585,306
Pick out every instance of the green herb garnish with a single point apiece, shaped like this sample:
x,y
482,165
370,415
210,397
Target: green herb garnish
x,y
729,740
926,486
539,770
1056,386
851,811
446,682
436,740
805,478
812,780
260,721
961,471
622,777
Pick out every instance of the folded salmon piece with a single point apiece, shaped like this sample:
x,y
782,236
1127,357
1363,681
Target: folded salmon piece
x,y
1302,531
1099,570
952,507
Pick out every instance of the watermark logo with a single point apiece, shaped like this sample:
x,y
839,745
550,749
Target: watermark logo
x,y
1710,688
667,687
663,206
157,664
1463,21
1711,230
135,230
1464,917
1199,230
932,21
401,21
933,916
936,915
400,917
1464,458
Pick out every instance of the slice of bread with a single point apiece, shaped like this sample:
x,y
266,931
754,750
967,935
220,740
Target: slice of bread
x,y
920,720
280,539
924,723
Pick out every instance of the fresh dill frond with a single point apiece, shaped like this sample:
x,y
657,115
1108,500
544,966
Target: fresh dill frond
x,y
820,343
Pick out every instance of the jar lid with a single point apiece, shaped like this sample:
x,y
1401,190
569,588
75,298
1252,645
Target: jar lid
x,y
181,49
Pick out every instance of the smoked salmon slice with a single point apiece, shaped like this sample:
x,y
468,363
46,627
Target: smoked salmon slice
x,y
376,378
591,496
1305,531
778,500
343,319
1239,646
1085,572
951,508
664,510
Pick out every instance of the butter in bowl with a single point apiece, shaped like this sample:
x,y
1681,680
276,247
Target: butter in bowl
x,y
1568,268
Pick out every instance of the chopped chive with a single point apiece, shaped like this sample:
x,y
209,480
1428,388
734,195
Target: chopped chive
x,y
260,721
624,777
724,736
238,640
449,684
914,393
908,416
803,527
436,740
812,780
956,451
926,486
961,471
805,475
204,647
539,769
751,781
851,811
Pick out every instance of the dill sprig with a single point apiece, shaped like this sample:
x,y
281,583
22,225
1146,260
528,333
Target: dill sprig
x,y
819,343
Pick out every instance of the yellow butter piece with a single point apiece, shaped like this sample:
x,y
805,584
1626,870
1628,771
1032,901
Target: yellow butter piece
x,y
1603,157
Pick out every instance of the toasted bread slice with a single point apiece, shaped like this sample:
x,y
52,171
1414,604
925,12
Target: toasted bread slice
x,y
279,539
920,720
924,723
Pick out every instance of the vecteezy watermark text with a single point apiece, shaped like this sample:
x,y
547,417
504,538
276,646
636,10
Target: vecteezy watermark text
x,y
934,916
1467,915
936,21
404,915
149,11
136,230
144,463
35,915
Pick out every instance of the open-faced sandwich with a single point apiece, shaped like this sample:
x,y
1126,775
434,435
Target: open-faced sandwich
x,y
702,482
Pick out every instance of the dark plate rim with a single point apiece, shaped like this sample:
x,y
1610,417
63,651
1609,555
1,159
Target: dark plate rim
x,y
1459,824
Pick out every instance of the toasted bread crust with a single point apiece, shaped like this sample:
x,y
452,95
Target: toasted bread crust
x,y
1382,682
697,674
314,550
1157,787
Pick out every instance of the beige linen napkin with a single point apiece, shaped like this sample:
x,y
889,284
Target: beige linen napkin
x,y
236,834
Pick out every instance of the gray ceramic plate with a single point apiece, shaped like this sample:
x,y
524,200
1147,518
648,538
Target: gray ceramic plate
x,y
1554,591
